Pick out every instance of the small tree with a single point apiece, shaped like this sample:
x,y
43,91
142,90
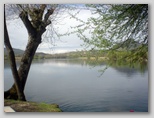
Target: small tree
x,y
35,17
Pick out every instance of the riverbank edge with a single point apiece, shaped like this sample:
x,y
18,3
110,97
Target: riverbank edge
x,y
27,106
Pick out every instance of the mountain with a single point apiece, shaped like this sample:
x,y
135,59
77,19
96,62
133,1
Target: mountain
x,y
19,53
16,51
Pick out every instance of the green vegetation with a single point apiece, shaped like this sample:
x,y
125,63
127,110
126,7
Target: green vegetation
x,y
119,32
116,33
139,55
22,106
119,29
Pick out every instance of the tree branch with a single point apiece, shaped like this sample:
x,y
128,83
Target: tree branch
x,y
24,17
42,8
47,15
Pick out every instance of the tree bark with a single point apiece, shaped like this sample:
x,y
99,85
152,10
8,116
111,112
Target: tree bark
x,y
11,56
35,37
27,60
24,67
35,30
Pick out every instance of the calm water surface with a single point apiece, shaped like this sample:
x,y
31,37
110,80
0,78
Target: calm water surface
x,y
78,87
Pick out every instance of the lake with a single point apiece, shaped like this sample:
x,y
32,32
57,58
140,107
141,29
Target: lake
x,y
81,87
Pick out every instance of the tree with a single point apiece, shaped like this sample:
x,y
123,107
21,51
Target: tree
x,y
35,17
11,55
115,26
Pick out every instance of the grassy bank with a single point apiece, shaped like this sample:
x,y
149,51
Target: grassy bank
x,y
21,106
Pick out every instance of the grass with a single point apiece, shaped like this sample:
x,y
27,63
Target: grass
x,y
25,106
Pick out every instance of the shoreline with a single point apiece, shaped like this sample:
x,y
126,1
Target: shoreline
x,y
27,106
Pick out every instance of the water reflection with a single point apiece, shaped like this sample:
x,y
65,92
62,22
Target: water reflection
x,y
128,71
74,85
123,65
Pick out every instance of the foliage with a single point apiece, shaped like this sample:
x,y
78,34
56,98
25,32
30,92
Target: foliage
x,y
139,54
117,27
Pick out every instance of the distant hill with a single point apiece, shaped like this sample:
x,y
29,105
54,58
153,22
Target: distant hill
x,y
40,55
19,53
16,51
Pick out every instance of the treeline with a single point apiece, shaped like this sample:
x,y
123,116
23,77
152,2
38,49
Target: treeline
x,y
139,54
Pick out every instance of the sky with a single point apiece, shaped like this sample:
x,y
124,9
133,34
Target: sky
x,y
19,37
151,18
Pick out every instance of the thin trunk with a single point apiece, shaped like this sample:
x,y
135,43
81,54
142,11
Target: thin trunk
x,y
11,57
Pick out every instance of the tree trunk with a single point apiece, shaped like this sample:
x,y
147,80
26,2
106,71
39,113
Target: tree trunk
x,y
35,27
27,60
24,67
11,56
11,93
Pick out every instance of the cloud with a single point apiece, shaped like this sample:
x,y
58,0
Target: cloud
x,y
19,37
17,33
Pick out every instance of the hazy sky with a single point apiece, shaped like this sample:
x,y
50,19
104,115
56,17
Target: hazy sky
x,y
19,37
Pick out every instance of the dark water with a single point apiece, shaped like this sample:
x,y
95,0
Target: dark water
x,y
77,87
